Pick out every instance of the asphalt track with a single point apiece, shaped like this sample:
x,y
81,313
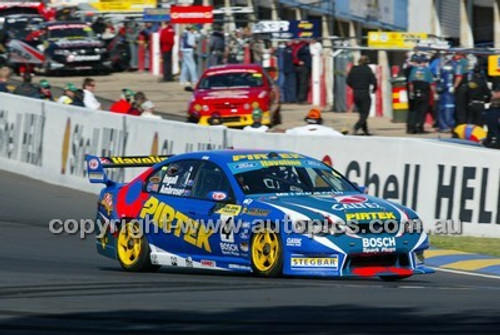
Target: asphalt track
x,y
59,285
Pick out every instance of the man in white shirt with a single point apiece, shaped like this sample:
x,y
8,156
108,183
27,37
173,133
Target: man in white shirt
x,y
89,99
148,109
257,125
314,126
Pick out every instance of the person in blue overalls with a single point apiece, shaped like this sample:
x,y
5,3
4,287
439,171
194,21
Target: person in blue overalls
x,y
446,90
420,83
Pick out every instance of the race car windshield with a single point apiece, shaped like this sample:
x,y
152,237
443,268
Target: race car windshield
x,y
232,80
293,179
70,33
20,28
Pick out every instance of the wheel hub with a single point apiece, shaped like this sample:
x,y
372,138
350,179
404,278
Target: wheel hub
x,y
267,249
130,244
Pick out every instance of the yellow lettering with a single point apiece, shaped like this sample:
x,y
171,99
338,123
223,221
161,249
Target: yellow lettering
x,y
203,236
180,220
149,207
190,236
157,217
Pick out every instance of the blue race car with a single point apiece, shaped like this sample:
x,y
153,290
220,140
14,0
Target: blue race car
x,y
269,213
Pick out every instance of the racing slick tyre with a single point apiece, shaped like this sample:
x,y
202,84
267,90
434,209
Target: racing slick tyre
x,y
266,254
133,249
394,278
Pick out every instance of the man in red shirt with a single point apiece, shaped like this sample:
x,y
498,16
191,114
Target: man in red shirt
x,y
123,105
167,35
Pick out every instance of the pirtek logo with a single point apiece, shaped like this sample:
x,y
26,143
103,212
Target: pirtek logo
x,y
370,216
193,233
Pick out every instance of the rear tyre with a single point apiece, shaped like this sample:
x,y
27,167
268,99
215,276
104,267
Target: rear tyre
x,y
394,278
267,254
133,249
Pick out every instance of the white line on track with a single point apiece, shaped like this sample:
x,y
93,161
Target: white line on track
x,y
472,274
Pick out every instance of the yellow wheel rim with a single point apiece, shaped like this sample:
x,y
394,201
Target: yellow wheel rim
x,y
129,244
265,250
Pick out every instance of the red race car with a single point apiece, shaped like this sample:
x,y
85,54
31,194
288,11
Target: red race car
x,y
231,93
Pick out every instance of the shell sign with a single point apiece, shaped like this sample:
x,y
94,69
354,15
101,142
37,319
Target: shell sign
x,y
192,14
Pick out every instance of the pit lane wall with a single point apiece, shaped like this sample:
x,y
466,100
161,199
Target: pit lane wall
x,y
440,180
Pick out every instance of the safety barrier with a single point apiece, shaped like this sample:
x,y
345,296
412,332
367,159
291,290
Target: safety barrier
x,y
48,141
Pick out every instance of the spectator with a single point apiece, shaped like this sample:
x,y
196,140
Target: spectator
x,y
303,62
78,98
45,93
460,86
492,121
89,98
27,89
131,34
314,126
99,26
287,79
360,78
167,35
257,125
478,95
139,99
420,83
68,95
123,105
236,48
446,105
148,109
149,29
4,78
188,70
217,46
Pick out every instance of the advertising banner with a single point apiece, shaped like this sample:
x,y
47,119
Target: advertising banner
x,y
379,39
192,14
289,29
122,5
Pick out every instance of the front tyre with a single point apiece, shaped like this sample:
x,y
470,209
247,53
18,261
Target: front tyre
x,y
267,254
133,249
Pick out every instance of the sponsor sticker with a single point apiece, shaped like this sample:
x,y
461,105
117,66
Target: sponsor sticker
x,y
229,249
93,163
257,211
219,196
107,202
315,262
205,262
294,242
379,244
229,209
370,216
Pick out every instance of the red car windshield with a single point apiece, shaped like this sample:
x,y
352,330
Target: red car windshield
x,y
232,80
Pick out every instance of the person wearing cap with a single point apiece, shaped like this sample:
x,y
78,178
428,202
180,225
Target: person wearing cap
x,y
148,109
69,94
257,125
314,126
45,93
420,83
360,79
26,88
123,105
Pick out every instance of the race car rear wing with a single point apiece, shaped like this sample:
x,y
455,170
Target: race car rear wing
x,y
96,165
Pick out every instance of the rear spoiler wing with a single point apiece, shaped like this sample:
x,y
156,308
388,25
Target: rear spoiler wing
x,y
96,165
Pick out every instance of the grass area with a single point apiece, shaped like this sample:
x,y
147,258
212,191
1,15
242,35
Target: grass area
x,y
478,245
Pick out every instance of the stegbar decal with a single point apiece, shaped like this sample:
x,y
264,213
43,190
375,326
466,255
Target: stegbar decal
x,y
256,211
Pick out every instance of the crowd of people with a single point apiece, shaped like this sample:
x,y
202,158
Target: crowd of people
x,y
130,102
453,89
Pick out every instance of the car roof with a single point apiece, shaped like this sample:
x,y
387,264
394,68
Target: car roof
x,y
225,156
